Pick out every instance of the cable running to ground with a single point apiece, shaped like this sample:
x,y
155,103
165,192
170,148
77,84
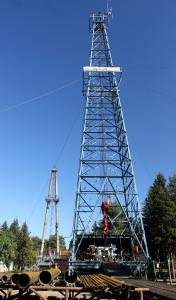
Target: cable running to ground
x,y
73,124
38,97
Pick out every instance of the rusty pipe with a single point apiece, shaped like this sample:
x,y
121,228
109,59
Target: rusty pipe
x,y
14,277
131,287
92,282
47,276
24,280
5,278
70,276
113,282
98,280
105,277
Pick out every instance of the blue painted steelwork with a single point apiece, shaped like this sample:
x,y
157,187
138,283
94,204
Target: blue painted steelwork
x,y
106,171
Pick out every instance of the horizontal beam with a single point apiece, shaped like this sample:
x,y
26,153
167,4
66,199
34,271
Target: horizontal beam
x,y
102,69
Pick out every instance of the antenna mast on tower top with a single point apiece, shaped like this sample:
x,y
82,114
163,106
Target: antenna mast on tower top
x,y
109,8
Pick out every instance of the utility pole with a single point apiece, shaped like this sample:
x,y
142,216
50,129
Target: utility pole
x,y
52,197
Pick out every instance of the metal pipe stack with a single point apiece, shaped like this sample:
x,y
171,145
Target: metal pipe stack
x,y
92,281
24,279
102,281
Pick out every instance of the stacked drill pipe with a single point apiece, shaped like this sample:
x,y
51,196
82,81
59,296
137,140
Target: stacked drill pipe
x,y
116,283
92,282
24,280
101,281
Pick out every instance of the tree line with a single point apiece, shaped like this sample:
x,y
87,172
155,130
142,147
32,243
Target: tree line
x,y
19,248
159,215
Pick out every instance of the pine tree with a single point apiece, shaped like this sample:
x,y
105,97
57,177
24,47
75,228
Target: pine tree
x,y
171,220
37,244
26,253
155,215
5,227
52,243
7,246
14,231
15,228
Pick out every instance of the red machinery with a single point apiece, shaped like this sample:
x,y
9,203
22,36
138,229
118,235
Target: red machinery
x,y
104,208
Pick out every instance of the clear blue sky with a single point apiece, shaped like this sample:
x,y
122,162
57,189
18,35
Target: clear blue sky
x,y
43,46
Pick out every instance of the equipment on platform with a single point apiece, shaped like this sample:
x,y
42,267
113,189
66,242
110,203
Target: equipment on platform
x,y
107,253
104,208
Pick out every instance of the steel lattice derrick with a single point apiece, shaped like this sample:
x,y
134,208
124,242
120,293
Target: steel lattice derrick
x,y
106,170
52,198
